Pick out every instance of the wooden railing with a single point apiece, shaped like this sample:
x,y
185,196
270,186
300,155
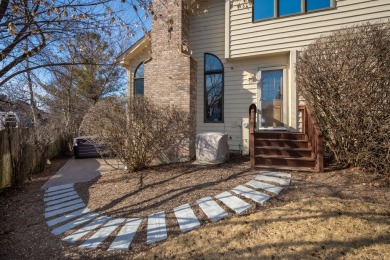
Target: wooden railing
x,y
314,134
252,126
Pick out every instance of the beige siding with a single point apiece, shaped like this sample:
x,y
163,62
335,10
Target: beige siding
x,y
207,36
249,38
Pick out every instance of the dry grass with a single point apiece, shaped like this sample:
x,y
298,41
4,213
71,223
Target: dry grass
x,y
325,228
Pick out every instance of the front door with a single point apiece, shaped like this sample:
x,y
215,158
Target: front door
x,y
271,99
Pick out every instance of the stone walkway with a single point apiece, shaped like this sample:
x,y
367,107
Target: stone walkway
x,y
65,211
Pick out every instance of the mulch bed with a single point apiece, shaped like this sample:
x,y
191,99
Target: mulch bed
x,y
24,233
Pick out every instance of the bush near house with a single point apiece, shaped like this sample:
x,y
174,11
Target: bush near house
x,y
137,131
345,80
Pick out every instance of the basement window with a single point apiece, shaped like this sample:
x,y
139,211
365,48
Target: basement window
x,y
213,89
139,80
268,9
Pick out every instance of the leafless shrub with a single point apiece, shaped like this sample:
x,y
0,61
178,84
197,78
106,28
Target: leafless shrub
x,y
345,79
136,131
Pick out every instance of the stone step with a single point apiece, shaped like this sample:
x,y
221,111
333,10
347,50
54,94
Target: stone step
x,y
77,235
62,205
186,218
77,222
238,205
264,186
157,230
276,174
126,234
48,194
273,179
213,211
64,210
56,197
55,202
251,194
97,238
60,187
67,217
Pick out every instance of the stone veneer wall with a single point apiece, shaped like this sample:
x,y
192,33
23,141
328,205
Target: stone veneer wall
x,y
170,74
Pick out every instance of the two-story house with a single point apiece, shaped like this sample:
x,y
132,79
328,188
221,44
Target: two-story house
x,y
216,64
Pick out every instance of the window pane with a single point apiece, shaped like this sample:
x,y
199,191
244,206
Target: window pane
x,y
214,97
263,9
317,4
287,7
212,63
139,87
139,73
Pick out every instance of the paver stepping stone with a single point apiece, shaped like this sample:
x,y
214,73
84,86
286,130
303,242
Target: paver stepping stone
x,y
56,197
186,218
74,223
67,216
54,202
48,194
96,239
238,205
126,234
251,194
60,187
157,229
62,205
273,179
64,210
276,174
264,186
211,209
86,229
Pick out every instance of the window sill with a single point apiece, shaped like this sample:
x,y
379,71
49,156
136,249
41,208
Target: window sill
x,y
292,15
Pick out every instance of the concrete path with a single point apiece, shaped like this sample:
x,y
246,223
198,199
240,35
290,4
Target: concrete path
x,y
81,170
66,211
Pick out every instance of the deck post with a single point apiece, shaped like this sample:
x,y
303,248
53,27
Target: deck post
x,y
252,126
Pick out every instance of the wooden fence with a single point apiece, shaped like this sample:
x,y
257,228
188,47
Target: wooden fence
x,y
19,160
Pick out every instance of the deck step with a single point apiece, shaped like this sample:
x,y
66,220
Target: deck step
x,y
264,186
282,143
213,211
276,174
126,235
280,135
97,238
284,168
284,161
157,230
283,151
238,205
256,196
186,218
280,181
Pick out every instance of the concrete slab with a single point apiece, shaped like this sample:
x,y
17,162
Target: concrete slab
x,y
157,229
63,205
64,210
81,170
72,238
58,192
96,239
54,202
125,236
60,196
211,209
276,174
238,205
186,218
251,194
273,179
67,217
60,187
264,186
77,222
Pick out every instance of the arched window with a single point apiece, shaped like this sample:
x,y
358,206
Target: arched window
x,y
213,89
139,80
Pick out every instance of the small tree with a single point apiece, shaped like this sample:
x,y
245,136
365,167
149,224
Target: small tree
x,y
137,131
345,80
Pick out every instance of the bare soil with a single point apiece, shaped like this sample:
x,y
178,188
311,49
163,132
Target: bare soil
x,y
336,214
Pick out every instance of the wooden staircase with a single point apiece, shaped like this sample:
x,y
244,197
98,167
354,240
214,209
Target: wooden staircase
x,y
283,150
